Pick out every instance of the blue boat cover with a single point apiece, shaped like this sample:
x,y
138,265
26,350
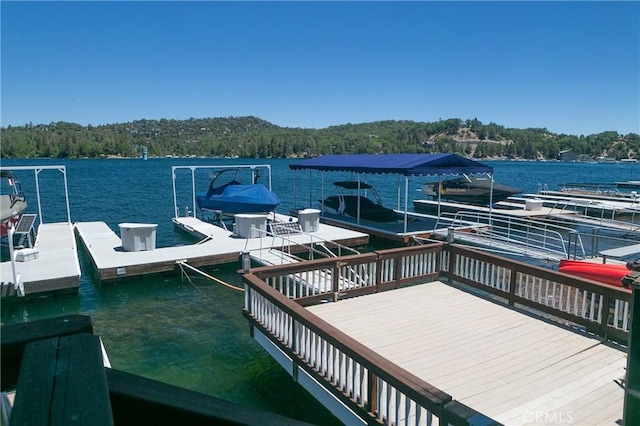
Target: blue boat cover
x,y
240,199
401,164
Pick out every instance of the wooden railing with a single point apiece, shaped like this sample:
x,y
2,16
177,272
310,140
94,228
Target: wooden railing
x,y
370,385
601,309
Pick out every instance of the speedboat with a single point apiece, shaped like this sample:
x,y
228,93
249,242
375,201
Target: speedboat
x,y
608,273
469,189
235,197
12,201
358,205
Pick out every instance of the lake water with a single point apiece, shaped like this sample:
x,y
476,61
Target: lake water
x,y
193,334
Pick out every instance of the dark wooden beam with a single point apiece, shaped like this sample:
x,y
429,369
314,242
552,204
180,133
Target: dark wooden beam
x,y
136,400
14,337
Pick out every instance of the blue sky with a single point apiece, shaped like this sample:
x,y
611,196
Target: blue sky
x,y
571,67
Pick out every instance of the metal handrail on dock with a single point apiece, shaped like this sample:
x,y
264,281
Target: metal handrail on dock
x,y
512,234
288,243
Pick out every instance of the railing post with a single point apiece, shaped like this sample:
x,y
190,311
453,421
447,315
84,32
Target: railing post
x,y
372,393
335,280
513,273
379,266
604,320
631,412
452,261
399,266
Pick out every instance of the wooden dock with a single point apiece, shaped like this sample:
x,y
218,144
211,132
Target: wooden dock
x,y
55,268
111,262
502,363
444,334
55,372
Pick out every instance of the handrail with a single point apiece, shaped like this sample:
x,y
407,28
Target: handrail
x,y
519,233
291,242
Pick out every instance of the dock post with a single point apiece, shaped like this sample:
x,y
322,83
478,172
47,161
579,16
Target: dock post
x,y
631,412
246,262
450,231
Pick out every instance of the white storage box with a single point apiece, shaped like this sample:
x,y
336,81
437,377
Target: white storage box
x,y
531,205
138,236
245,223
309,220
27,254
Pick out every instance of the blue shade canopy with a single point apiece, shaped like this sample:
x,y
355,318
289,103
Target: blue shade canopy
x,y
401,164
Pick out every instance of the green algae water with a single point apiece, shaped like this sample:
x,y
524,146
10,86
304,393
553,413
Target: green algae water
x,y
191,332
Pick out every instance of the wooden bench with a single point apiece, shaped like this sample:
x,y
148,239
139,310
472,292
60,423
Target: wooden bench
x,y
62,381
15,337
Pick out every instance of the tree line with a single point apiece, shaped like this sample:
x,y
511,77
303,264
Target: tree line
x,y
251,137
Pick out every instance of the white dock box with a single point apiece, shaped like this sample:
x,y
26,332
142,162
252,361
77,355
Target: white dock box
x,y
309,220
27,254
138,236
531,205
244,223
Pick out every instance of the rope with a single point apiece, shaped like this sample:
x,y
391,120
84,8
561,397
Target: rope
x,y
212,278
183,274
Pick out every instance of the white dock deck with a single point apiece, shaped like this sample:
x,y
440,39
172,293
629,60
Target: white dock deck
x,y
504,364
56,269
510,209
112,262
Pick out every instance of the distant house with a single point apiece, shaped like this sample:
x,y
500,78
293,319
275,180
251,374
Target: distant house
x,y
567,155
584,157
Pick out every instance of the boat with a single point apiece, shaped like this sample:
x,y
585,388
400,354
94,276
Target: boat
x,y
12,202
235,197
608,273
355,206
469,189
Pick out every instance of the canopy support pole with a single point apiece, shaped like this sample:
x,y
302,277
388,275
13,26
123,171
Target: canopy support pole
x,y
406,201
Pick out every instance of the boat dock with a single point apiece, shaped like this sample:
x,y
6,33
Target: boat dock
x,y
220,246
43,257
50,267
438,333
531,210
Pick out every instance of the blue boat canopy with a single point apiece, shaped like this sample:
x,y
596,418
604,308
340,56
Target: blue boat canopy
x,y
401,164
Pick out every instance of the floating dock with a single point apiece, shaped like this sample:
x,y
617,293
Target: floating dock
x,y
504,208
50,267
220,246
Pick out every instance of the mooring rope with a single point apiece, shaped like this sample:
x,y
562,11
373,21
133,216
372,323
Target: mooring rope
x,y
212,278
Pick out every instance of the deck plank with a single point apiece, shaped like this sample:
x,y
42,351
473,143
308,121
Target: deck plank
x,y
498,361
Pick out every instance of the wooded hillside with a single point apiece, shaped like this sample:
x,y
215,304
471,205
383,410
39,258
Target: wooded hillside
x,y
252,137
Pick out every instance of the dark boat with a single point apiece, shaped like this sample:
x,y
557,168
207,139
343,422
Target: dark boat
x,y
469,189
235,197
12,201
358,205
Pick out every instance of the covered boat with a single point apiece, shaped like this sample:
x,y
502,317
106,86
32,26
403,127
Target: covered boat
x,y
12,201
607,273
469,189
234,197
354,205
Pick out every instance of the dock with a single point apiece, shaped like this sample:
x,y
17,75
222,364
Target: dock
x,y
504,208
502,363
444,332
51,267
220,246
